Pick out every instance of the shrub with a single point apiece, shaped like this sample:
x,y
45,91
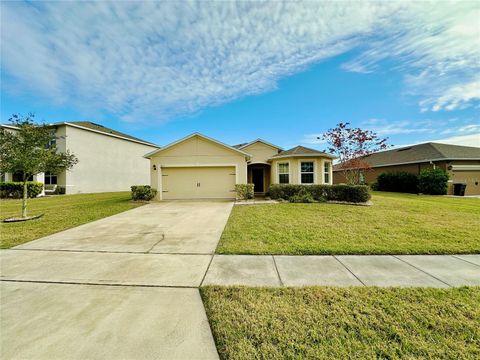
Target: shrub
x,y
143,192
244,191
14,190
303,196
348,193
433,182
398,182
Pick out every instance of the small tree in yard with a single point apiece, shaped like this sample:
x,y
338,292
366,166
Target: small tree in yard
x,y
352,145
31,150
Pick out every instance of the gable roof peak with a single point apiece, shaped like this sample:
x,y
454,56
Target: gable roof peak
x,y
150,154
244,145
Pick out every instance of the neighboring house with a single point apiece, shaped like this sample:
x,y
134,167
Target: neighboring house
x,y
197,167
108,160
461,162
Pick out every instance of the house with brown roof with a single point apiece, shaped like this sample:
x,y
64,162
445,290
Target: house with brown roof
x,y
461,162
199,167
108,159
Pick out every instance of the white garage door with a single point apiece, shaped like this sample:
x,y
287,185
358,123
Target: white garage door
x,y
198,183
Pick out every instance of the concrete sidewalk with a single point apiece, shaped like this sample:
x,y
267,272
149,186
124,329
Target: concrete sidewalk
x,y
345,270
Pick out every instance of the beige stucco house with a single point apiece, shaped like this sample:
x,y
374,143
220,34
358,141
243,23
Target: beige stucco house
x,y
199,167
108,159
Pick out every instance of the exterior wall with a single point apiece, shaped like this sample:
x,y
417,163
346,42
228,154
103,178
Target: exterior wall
x,y
372,174
471,178
294,169
196,152
105,163
260,152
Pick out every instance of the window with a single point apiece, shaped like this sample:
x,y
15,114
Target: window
x,y
283,173
326,172
306,172
50,179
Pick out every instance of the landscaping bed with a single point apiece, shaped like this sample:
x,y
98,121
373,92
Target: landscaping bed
x,y
336,323
60,213
395,224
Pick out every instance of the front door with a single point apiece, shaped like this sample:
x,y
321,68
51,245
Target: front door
x,y
257,179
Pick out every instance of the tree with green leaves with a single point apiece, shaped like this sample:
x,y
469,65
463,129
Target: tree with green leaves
x,y
30,149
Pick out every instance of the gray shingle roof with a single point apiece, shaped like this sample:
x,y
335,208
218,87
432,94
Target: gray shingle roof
x,y
301,150
104,129
421,153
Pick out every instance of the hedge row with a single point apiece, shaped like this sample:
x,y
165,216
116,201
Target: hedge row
x,y
429,181
14,190
348,193
400,181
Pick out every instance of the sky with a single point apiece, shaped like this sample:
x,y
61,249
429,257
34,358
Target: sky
x,y
282,71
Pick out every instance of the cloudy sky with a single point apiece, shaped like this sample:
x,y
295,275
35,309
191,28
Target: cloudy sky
x,y
284,72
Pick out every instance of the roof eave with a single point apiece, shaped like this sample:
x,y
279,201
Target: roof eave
x,y
303,155
150,154
416,162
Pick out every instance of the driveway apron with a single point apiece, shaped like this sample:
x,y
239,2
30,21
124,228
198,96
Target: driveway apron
x,y
122,287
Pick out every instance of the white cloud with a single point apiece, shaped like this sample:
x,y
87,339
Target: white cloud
x,y
465,140
153,60
385,128
437,46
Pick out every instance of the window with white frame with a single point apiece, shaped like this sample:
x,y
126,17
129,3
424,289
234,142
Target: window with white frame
x,y
326,173
283,173
306,172
50,179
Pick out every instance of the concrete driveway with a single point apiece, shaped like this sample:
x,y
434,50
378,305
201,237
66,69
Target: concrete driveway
x,y
124,287
167,227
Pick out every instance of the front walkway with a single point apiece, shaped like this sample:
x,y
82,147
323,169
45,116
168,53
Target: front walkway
x,y
127,286
346,270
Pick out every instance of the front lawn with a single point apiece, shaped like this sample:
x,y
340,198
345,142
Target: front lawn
x,y
395,224
61,212
334,323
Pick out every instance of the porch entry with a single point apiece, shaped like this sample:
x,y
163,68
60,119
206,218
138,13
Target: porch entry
x,y
259,176
258,179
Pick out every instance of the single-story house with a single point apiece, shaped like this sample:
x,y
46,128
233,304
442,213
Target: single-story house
x,y
108,159
461,162
199,167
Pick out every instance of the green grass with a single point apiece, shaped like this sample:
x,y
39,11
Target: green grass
x,y
61,212
395,224
334,323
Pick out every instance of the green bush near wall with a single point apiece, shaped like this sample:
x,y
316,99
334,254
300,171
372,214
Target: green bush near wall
x,y
400,181
244,191
143,192
14,190
341,192
433,182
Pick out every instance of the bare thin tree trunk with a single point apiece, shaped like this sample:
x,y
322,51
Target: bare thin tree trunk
x,y
24,200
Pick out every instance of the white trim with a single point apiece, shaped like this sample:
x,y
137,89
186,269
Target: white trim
x,y
300,171
150,154
259,162
289,172
465,167
303,155
10,126
262,141
330,172
66,123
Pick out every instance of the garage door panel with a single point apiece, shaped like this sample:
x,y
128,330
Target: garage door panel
x,y
198,183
